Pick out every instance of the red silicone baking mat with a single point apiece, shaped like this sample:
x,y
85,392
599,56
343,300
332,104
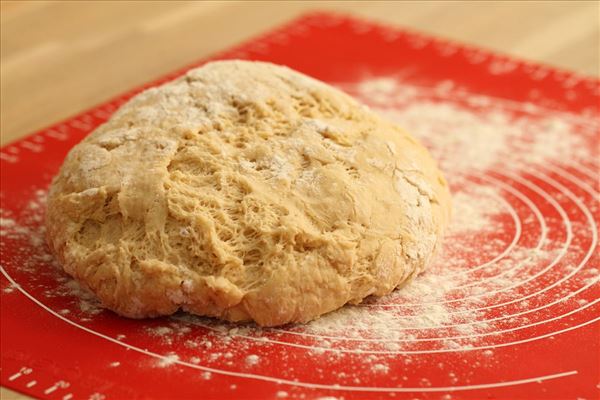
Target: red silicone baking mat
x,y
508,310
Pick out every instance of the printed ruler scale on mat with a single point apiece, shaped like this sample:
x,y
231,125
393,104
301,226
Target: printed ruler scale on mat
x,y
516,314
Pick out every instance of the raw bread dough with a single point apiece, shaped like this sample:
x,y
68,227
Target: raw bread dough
x,y
245,191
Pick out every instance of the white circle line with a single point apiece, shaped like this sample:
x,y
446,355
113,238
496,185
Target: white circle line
x,y
410,352
558,257
544,230
286,381
515,239
593,227
587,213
590,252
586,171
555,318
584,185
563,251
593,161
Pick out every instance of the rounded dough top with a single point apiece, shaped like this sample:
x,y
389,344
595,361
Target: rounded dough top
x,y
245,191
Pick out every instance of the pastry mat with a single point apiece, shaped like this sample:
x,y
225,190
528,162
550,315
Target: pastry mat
x,y
509,309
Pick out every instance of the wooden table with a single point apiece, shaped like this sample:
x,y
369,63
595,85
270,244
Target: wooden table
x,y
59,58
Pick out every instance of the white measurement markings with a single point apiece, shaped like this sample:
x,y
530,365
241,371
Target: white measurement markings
x,y
56,134
101,114
31,384
81,125
9,158
22,371
35,147
56,386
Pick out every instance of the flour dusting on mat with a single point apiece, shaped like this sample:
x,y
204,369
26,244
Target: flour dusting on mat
x,y
168,360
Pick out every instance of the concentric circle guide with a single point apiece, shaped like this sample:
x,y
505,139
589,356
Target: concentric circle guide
x,y
291,382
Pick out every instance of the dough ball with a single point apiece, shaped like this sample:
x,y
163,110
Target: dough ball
x,y
245,191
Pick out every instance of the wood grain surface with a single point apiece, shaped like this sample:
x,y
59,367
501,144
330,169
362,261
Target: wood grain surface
x,y
59,58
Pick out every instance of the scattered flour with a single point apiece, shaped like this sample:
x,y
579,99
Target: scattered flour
x,y
382,368
160,330
9,288
87,302
168,360
252,359
7,223
470,133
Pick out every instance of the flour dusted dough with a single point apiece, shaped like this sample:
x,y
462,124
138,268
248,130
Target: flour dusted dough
x,y
245,191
